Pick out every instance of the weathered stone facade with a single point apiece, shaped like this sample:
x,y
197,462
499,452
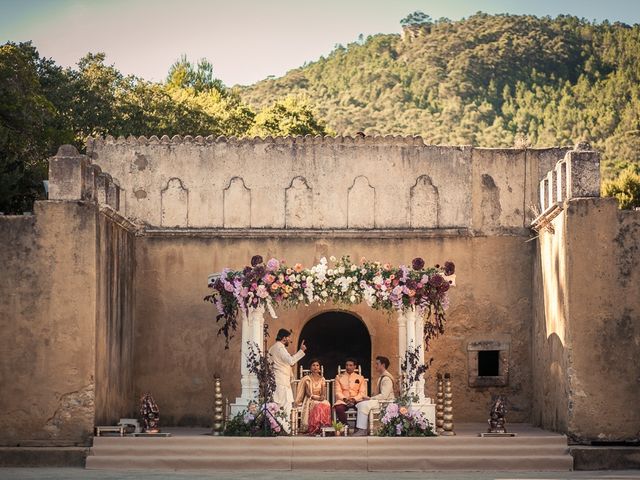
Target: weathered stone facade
x,y
104,299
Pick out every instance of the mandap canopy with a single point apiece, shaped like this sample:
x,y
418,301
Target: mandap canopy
x,y
417,289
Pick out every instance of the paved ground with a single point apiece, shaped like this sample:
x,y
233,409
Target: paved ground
x,y
82,474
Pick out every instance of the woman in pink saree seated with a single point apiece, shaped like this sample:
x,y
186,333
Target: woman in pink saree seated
x,y
312,396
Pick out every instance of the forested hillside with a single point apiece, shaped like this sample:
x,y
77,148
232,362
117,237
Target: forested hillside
x,y
488,80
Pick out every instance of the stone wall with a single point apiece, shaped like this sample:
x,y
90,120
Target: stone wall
x,y
66,310
586,331
115,247
47,319
178,352
323,182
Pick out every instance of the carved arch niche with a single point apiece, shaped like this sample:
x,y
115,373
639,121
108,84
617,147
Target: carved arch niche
x,y
361,204
424,203
237,204
174,204
298,204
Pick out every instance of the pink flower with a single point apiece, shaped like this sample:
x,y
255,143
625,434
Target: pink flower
x,y
268,279
273,265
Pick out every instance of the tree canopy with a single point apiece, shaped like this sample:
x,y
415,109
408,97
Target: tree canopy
x,y
43,106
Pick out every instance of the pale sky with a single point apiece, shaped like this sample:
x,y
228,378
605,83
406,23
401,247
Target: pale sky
x,y
245,40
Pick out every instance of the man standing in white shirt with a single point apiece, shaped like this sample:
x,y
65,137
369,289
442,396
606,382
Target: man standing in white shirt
x,y
385,393
282,361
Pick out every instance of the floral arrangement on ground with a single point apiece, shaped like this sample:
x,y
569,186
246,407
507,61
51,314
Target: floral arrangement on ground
x,y
264,421
399,419
381,286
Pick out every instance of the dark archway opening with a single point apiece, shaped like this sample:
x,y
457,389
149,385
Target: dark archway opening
x,y
331,337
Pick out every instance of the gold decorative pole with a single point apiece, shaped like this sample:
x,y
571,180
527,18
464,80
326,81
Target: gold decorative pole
x,y
439,404
218,410
448,407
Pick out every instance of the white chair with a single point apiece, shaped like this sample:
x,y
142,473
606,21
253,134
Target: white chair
x,y
374,415
296,412
352,413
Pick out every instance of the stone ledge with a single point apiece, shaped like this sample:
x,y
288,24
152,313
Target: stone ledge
x,y
605,458
302,233
43,456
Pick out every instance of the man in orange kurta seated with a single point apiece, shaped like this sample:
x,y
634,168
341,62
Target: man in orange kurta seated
x,y
350,389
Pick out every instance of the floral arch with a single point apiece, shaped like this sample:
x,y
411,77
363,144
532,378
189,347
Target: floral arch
x,y
417,294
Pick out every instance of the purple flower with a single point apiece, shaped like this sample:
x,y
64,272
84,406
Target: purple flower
x,y
273,265
256,260
417,263
399,429
449,268
436,281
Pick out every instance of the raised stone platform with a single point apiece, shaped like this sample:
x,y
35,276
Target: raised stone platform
x,y
532,450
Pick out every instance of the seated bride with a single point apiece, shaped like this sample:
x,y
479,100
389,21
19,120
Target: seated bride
x,y
312,396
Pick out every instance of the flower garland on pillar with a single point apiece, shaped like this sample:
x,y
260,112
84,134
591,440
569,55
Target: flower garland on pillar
x,y
381,286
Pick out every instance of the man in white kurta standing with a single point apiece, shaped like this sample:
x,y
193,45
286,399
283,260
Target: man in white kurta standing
x,y
282,361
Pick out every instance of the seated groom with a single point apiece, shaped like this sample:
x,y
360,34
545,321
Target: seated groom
x,y
385,392
350,388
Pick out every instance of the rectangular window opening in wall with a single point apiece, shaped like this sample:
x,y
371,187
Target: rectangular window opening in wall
x,y
489,363
488,360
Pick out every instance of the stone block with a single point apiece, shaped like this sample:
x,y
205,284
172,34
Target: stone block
x,y
113,195
103,183
583,174
561,181
68,174
543,194
551,191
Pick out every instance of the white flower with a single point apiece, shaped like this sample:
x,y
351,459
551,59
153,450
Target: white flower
x,y
300,297
341,270
353,299
323,261
324,294
330,272
353,268
332,258
354,279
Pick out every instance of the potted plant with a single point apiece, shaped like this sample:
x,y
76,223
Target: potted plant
x,y
338,427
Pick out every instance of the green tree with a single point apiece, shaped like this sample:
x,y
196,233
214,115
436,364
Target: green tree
x,y
27,135
183,74
625,189
291,116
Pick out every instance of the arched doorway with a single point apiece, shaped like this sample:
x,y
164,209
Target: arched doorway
x,y
333,336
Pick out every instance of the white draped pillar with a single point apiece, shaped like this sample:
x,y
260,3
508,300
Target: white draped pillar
x,y
252,332
419,341
402,340
411,334
410,315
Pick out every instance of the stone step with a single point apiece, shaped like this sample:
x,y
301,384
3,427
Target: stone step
x,y
333,463
338,450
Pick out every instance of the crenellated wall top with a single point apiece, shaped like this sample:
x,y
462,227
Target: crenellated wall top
x,y
318,182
